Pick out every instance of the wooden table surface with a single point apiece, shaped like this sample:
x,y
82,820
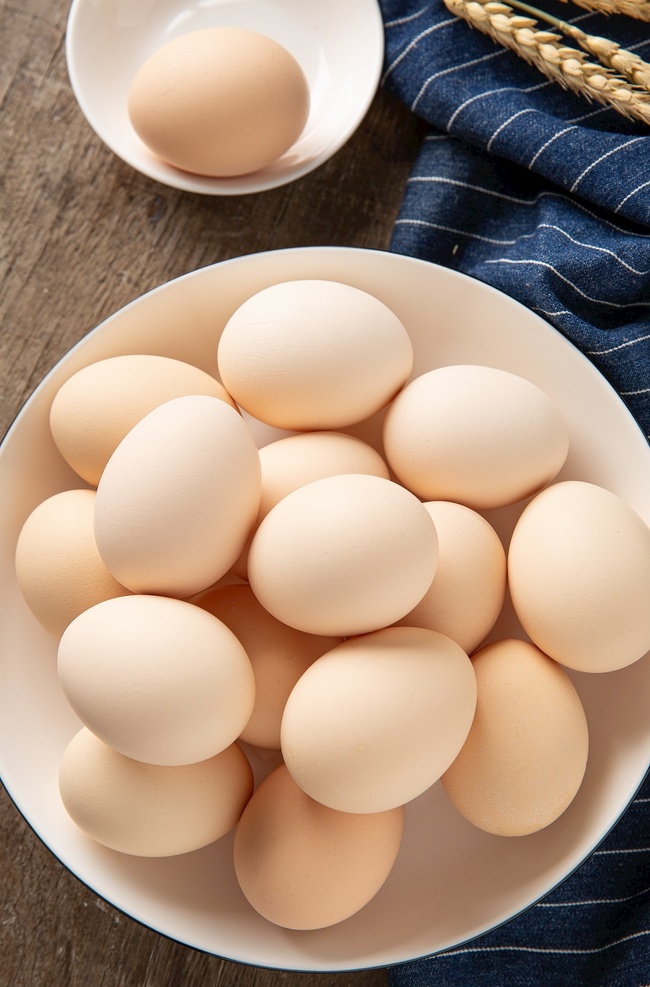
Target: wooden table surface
x,y
81,234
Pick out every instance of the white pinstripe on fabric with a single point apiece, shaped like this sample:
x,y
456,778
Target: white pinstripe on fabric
x,y
408,19
506,123
454,68
450,229
619,346
548,143
404,54
550,949
529,202
603,157
525,236
583,294
586,246
593,901
494,92
629,195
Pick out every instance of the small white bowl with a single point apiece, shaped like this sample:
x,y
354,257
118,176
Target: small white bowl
x,y
339,45
451,881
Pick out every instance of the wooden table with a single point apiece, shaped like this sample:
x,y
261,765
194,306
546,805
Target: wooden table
x,y
81,234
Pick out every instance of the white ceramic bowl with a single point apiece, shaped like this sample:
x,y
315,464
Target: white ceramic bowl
x,y
451,881
339,45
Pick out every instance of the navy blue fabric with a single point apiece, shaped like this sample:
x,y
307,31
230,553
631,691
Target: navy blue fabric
x,y
546,196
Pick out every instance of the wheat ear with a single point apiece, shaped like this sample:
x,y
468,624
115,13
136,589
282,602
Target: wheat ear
x,y
618,59
640,9
621,61
543,49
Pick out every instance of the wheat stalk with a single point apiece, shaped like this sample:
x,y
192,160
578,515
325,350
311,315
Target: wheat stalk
x,y
621,61
560,63
640,9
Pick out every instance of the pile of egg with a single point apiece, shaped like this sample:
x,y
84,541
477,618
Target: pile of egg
x,y
320,599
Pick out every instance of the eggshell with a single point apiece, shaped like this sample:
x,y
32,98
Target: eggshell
x,y
58,567
149,810
178,497
158,679
313,354
375,721
469,587
526,753
477,435
579,573
295,460
278,654
219,101
304,866
343,555
96,407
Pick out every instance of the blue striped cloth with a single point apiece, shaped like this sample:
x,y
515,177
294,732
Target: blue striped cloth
x,y
546,196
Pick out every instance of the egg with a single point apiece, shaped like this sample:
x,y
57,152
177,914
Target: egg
x,y
376,721
579,574
149,810
219,101
526,753
158,679
477,435
469,587
304,866
343,555
313,354
178,497
278,655
295,460
58,567
95,408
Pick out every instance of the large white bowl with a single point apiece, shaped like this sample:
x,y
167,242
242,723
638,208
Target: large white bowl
x,y
451,881
338,44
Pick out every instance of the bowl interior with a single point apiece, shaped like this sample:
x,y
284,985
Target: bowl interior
x,y
451,881
339,46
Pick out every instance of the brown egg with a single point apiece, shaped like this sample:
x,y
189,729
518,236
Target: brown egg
x,y
477,435
278,654
219,101
304,866
313,354
158,679
293,461
469,587
95,408
151,810
58,567
374,722
343,555
177,498
579,574
526,753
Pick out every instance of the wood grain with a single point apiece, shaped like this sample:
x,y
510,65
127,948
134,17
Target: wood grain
x,y
81,234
